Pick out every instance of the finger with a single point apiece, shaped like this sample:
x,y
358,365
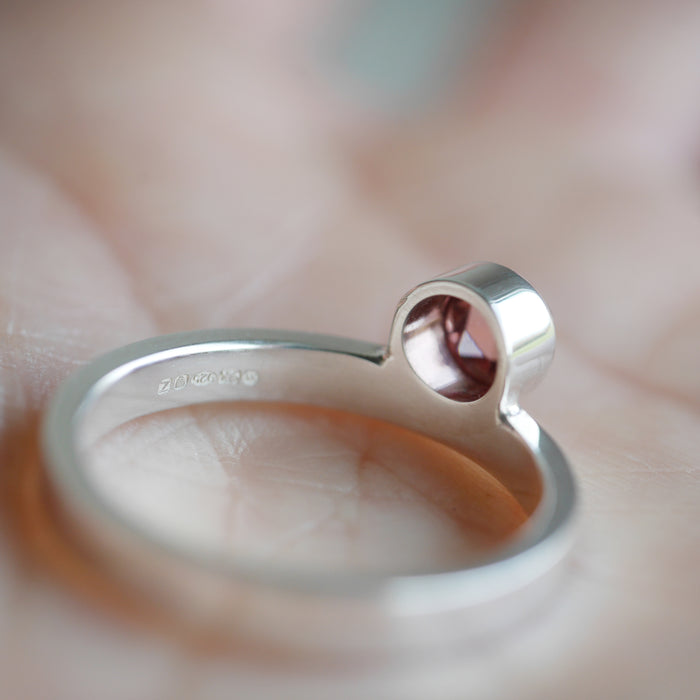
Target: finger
x,y
63,296
62,299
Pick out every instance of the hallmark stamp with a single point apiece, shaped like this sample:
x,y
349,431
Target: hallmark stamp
x,y
229,376
203,378
247,377
180,382
250,377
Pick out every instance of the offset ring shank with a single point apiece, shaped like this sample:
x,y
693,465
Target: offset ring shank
x,y
253,365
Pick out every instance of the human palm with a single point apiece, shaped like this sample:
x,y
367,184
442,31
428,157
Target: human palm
x,y
170,174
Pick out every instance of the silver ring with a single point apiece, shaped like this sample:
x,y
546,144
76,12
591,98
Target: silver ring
x,y
462,348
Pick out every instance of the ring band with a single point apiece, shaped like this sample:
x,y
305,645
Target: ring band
x,y
462,348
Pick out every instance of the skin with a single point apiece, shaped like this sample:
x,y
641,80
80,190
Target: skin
x,y
167,169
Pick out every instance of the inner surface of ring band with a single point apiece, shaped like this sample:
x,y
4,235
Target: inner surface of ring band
x,y
281,370
450,346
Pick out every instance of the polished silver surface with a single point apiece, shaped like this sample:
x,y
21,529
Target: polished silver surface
x,y
462,348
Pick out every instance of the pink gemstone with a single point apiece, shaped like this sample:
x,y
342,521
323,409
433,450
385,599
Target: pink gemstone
x,y
450,346
472,346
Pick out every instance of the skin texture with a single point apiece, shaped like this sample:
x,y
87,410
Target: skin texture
x,y
167,168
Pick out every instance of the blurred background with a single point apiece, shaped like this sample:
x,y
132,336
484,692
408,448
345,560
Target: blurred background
x,y
167,166
313,137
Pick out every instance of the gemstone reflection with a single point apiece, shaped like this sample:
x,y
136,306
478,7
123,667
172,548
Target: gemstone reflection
x,y
450,346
